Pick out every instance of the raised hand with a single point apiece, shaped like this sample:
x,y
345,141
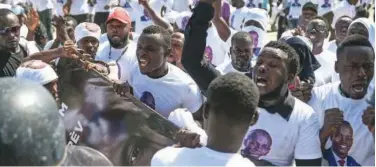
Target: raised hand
x,y
188,139
121,87
368,119
32,20
332,121
69,50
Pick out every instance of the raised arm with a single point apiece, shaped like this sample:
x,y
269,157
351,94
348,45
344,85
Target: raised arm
x,y
195,43
157,20
223,29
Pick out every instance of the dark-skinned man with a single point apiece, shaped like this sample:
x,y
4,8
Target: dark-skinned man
x,y
346,100
275,68
230,107
341,27
343,8
13,49
309,11
157,83
317,31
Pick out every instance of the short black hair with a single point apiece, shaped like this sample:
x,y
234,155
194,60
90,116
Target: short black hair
x,y
154,29
234,95
354,40
310,6
241,35
292,56
327,25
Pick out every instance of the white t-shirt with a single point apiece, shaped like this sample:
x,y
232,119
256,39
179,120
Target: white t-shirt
x,y
331,46
58,7
99,6
343,9
106,53
325,6
179,5
174,90
295,8
49,45
31,46
327,97
127,6
103,38
327,60
141,18
297,138
203,156
81,7
237,17
42,5
24,31
215,49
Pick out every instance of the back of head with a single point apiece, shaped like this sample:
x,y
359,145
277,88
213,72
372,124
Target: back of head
x,y
234,96
32,131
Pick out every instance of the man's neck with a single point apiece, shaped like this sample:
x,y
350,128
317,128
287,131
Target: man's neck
x,y
159,73
126,42
317,49
274,98
15,50
217,141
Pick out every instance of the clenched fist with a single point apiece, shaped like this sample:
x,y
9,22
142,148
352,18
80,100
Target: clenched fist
x,y
368,119
332,121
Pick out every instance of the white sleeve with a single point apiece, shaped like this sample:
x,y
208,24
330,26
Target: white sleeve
x,y
48,45
162,157
192,98
32,48
308,145
126,64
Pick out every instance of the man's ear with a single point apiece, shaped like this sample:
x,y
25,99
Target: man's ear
x,y
206,109
336,66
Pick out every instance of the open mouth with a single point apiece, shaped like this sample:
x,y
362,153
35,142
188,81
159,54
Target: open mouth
x,y
143,62
359,88
261,82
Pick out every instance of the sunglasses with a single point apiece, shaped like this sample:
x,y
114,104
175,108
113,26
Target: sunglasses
x,y
8,30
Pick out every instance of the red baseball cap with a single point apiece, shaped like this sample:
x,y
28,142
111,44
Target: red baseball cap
x,y
119,14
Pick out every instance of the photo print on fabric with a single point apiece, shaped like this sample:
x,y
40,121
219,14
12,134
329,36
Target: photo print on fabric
x,y
257,144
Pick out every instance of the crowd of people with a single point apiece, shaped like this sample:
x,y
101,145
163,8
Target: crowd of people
x,y
240,96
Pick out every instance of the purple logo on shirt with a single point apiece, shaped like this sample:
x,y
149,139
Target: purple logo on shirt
x,y
257,144
145,17
184,22
208,54
127,5
255,38
326,4
148,99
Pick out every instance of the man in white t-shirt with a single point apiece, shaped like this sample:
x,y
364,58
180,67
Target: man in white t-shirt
x,y
317,31
157,83
118,27
346,101
231,107
341,28
237,16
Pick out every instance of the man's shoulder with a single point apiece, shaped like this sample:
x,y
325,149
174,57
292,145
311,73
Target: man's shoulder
x,y
165,156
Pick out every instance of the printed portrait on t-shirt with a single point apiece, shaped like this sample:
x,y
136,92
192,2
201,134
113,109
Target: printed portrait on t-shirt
x,y
326,4
148,99
251,4
127,5
208,54
296,3
255,38
145,17
258,143
184,22
342,140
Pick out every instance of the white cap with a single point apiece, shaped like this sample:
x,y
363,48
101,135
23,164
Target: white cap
x,y
259,15
87,29
36,71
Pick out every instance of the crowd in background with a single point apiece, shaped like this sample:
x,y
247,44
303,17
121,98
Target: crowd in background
x,y
249,82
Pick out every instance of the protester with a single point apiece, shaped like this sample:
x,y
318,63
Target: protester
x,y
237,16
44,8
345,101
341,28
309,11
64,25
177,43
317,31
226,124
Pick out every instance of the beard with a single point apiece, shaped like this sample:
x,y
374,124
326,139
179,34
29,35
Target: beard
x,y
118,44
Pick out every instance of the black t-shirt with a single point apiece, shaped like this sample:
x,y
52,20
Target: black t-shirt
x,y
9,62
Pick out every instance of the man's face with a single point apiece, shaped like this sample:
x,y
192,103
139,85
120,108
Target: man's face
x,y
270,71
89,45
241,54
260,146
356,69
10,32
151,52
52,88
316,32
341,28
358,28
342,140
117,33
177,41
306,16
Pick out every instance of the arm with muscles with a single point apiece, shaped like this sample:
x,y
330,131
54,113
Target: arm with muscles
x,y
195,43
307,149
157,20
223,29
